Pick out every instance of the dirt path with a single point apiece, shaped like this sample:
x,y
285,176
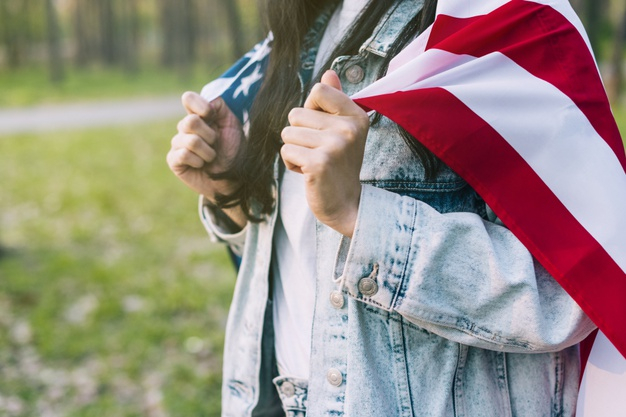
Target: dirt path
x,y
74,116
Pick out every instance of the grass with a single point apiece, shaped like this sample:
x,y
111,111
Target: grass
x,y
31,86
620,117
112,299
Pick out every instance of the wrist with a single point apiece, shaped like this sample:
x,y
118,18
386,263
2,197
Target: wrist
x,y
346,222
232,219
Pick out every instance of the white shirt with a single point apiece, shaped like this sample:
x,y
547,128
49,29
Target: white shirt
x,y
293,263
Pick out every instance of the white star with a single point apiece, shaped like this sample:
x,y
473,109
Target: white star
x,y
247,82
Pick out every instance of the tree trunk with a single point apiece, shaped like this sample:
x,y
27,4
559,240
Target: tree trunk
x,y
55,59
108,39
178,21
616,82
235,29
9,34
593,18
82,53
130,45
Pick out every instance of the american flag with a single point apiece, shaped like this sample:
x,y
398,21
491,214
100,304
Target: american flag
x,y
508,94
239,85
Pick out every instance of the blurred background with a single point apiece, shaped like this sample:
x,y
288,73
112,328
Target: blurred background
x,y
112,299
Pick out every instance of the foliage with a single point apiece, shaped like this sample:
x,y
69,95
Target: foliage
x,y
112,300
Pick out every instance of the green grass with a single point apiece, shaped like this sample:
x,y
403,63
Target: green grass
x,y
620,117
30,86
112,299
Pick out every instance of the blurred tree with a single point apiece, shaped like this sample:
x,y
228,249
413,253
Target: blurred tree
x,y
130,45
594,16
616,84
109,48
14,30
55,58
235,28
179,28
81,54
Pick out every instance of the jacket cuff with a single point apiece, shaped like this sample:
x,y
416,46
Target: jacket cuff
x,y
218,230
372,264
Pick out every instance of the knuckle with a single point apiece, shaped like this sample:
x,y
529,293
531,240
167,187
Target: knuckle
x,y
190,123
180,126
317,89
348,130
285,150
286,133
195,142
321,160
293,115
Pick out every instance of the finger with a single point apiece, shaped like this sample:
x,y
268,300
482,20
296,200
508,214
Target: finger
x,y
330,100
194,124
194,144
313,119
219,109
183,158
294,157
194,103
331,79
303,136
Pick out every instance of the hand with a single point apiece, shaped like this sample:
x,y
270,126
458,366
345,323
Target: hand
x,y
208,139
325,142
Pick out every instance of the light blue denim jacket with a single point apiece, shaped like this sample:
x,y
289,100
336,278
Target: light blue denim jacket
x,y
433,308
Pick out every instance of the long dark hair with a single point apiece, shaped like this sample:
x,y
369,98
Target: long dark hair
x,y
289,21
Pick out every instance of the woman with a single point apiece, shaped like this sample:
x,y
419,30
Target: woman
x,y
374,281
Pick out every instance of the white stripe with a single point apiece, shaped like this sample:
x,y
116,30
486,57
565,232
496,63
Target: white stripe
x,y
468,8
544,126
604,382
412,50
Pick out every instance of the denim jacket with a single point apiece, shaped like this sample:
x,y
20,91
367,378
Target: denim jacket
x,y
433,308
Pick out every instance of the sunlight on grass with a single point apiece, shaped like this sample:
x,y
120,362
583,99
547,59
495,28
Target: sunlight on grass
x,y
112,299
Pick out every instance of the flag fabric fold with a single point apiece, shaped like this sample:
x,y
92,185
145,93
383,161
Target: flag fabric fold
x,y
508,94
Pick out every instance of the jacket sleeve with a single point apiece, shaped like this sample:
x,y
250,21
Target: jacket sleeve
x,y
456,275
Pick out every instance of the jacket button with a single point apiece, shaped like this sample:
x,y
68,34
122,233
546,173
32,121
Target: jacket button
x,y
288,389
334,377
355,74
336,299
368,286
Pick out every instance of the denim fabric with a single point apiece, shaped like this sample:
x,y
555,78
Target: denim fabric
x,y
293,395
430,310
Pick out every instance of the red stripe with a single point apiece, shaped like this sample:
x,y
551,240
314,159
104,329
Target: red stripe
x,y
518,196
543,42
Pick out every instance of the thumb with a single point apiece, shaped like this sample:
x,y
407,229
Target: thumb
x,y
219,109
331,79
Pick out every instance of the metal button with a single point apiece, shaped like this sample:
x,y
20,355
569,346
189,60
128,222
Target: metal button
x,y
368,286
334,377
336,299
355,74
288,389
